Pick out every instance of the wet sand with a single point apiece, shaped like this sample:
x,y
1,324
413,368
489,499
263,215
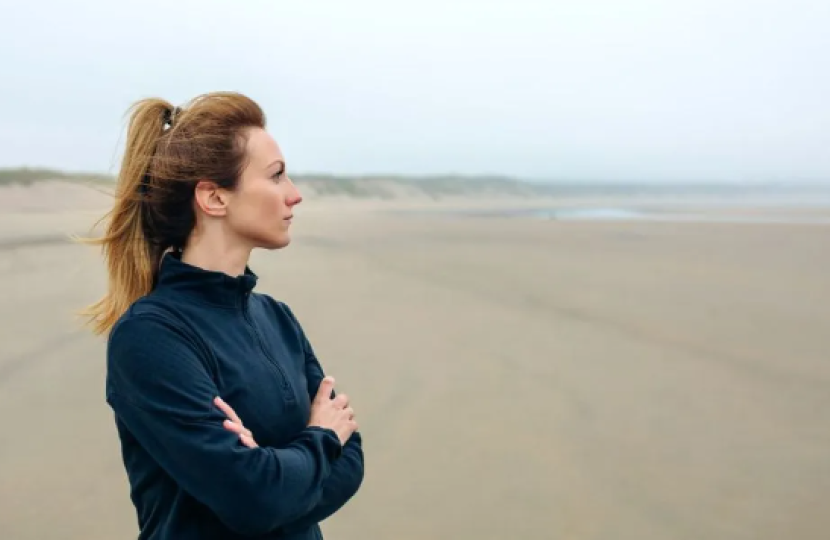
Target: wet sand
x,y
513,378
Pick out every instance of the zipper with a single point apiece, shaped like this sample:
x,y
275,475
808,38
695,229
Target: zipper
x,y
289,396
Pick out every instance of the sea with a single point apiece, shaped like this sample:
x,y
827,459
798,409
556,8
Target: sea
x,y
813,210
651,214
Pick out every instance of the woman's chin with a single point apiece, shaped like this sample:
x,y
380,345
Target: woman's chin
x,y
279,242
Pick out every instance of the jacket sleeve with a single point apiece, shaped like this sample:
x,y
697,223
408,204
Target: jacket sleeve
x,y
160,388
347,473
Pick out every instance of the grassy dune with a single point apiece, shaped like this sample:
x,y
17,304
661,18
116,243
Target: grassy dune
x,y
27,176
374,187
391,186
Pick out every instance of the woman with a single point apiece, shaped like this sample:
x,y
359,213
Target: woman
x,y
192,350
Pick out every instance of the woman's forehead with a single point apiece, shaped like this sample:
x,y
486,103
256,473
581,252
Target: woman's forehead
x,y
263,150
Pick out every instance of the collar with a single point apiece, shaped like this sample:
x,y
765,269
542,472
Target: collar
x,y
204,286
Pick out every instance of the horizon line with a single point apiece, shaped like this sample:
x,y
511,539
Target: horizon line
x,y
502,177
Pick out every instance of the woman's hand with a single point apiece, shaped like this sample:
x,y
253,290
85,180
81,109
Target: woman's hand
x,y
235,425
334,414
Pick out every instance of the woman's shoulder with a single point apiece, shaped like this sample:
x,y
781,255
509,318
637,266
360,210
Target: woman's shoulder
x,y
146,323
144,311
147,347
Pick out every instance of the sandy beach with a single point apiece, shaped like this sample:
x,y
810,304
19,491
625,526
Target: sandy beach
x,y
514,377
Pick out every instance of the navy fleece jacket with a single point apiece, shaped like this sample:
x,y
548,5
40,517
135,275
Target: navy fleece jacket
x,y
201,334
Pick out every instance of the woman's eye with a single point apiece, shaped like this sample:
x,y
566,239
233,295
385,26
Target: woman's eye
x,y
278,175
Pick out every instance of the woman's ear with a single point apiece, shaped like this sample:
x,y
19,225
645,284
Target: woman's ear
x,y
211,199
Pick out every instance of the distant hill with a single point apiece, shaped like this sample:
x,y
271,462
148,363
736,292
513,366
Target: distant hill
x,y
396,186
378,187
448,186
27,176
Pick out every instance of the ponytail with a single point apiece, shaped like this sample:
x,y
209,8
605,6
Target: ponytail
x,y
168,151
132,259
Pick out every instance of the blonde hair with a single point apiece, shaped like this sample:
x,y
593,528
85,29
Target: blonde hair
x,y
168,150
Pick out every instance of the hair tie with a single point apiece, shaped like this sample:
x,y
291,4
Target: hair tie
x,y
170,115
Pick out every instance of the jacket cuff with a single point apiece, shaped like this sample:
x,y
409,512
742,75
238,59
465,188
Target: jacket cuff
x,y
330,441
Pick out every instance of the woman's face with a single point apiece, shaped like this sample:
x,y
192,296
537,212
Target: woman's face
x,y
260,209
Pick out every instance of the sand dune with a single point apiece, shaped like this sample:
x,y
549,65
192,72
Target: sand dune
x,y
514,377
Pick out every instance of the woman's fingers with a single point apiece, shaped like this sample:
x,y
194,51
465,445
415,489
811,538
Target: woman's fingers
x,y
341,401
227,409
230,425
234,424
324,391
248,441
244,433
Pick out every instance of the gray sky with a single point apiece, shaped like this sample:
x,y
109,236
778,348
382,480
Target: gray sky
x,y
594,89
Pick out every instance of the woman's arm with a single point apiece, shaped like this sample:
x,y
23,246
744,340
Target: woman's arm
x,y
343,482
160,389
347,473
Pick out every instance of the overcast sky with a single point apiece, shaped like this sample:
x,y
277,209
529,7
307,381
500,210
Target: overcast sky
x,y
589,89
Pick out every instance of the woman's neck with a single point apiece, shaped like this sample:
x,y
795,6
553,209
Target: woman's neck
x,y
217,253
